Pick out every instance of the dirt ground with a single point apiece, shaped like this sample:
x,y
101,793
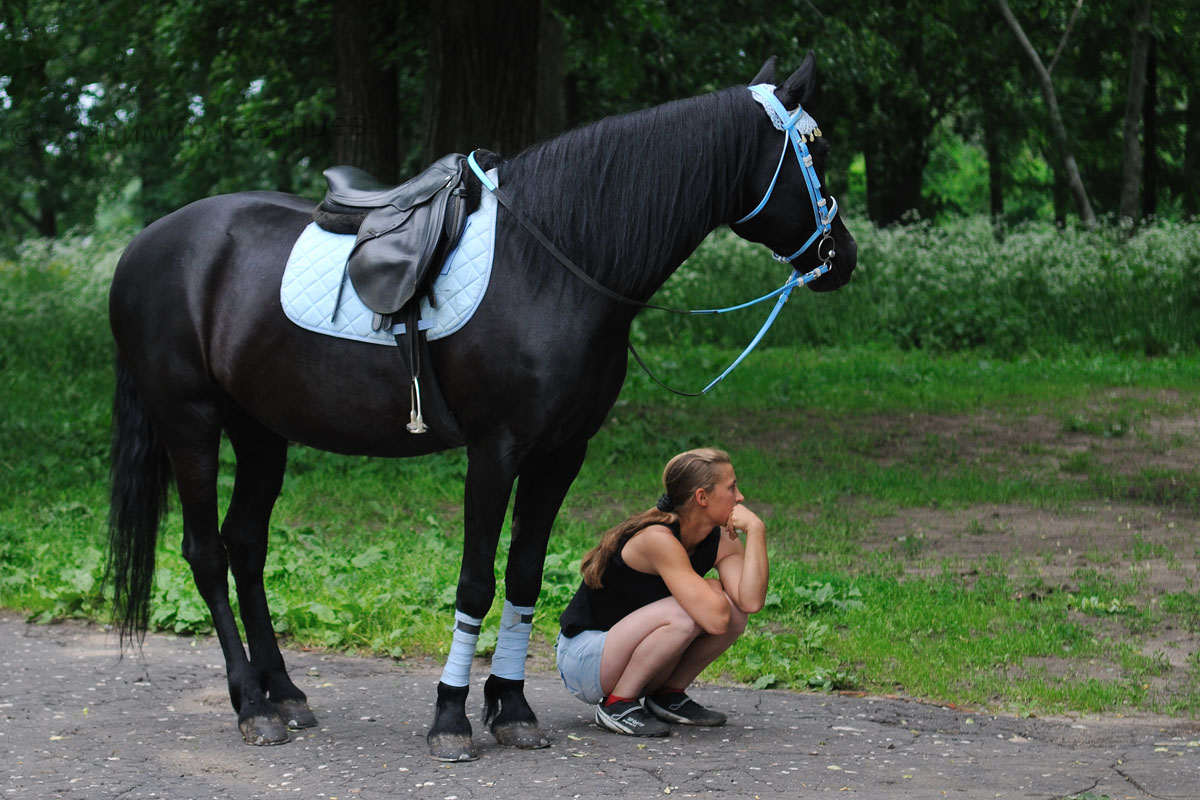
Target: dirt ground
x,y
1146,534
77,723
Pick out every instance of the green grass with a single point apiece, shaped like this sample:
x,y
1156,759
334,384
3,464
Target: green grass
x,y
365,552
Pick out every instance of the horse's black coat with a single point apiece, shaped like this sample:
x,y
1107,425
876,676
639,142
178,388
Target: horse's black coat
x,y
203,347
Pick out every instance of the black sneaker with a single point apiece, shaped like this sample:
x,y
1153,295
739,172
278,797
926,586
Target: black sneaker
x,y
677,707
628,717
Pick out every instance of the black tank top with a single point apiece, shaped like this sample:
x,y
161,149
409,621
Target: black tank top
x,y
626,589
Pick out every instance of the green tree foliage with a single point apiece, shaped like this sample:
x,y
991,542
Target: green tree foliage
x,y
223,96
899,68
931,104
47,168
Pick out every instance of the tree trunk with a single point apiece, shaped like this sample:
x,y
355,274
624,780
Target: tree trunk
x,y
1131,172
483,76
1057,127
551,90
995,158
45,221
1061,193
1190,199
155,161
366,104
894,180
1150,135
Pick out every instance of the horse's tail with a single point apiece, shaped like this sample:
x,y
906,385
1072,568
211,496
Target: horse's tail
x,y
140,474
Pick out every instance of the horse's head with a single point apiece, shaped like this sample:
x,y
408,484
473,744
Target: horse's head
x,y
786,204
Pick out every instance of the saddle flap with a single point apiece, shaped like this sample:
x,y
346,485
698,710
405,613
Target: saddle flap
x,y
389,262
398,244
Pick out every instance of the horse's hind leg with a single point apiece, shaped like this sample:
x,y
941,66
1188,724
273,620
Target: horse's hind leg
x,y
193,444
261,459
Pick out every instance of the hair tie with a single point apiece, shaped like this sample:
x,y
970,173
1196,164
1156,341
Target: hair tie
x,y
664,504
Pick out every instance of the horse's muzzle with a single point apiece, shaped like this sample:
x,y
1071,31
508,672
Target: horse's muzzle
x,y
843,261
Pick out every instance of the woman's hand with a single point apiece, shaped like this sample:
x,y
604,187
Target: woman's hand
x,y
742,519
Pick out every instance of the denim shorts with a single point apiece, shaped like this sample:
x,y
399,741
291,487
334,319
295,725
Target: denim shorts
x,y
579,664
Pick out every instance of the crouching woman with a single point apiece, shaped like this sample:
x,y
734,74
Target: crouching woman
x,y
646,621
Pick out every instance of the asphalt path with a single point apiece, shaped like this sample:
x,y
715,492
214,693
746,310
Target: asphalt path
x,y
77,722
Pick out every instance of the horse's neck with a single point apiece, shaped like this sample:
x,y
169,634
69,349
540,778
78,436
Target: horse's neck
x,y
630,198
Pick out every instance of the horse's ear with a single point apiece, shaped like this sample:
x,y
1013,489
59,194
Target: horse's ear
x,y
766,74
798,88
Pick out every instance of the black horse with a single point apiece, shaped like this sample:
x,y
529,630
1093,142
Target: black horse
x,y
203,348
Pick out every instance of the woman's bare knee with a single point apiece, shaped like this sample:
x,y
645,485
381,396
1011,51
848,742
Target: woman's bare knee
x,y
682,622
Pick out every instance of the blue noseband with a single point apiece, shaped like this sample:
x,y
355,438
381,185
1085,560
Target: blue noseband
x,y
796,127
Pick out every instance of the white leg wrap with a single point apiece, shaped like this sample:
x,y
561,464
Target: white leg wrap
x,y
512,645
462,649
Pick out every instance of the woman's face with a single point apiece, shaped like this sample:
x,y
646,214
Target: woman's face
x,y
724,496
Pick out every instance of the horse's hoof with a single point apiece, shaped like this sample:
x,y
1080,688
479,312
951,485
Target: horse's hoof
x,y
451,747
264,730
296,714
525,735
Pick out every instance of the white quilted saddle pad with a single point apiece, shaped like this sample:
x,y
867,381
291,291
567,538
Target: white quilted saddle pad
x,y
317,266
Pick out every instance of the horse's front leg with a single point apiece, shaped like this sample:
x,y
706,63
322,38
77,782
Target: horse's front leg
x,y
491,470
543,484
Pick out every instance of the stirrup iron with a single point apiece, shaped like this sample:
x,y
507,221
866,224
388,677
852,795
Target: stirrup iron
x,y
416,422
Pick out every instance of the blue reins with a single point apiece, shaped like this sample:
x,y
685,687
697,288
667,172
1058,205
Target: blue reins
x,y
790,124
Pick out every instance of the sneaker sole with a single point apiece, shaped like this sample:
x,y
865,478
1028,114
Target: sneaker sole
x,y
616,727
667,716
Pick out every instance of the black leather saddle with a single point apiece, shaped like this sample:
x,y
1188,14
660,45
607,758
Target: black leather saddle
x,y
402,231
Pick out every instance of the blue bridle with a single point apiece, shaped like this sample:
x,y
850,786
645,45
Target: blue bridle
x,y
796,127
790,124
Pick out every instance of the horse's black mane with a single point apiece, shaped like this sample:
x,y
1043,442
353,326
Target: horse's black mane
x,y
628,197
